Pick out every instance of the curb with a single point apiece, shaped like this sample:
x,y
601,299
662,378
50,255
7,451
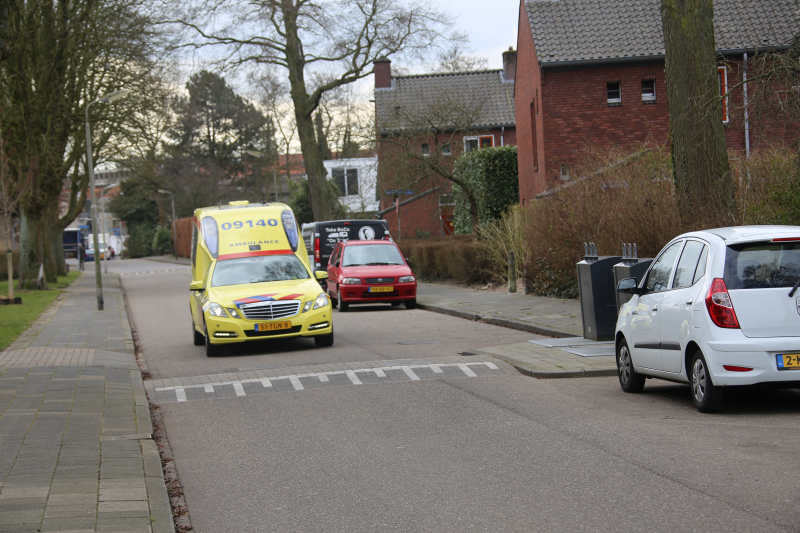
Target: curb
x,y
159,259
530,371
504,322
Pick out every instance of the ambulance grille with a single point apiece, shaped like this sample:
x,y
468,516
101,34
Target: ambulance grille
x,y
270,310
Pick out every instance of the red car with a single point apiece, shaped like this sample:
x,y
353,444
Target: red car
x,y
361,272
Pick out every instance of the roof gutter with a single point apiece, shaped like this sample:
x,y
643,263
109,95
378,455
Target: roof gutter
x,y
655,57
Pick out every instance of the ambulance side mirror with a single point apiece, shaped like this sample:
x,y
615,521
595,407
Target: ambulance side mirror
x,y
321,274
196,286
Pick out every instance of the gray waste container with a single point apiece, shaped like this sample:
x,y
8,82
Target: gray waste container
x,y
597,288
630,267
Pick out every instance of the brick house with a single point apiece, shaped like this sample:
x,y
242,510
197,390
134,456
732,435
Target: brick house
x,y
591,73
472,109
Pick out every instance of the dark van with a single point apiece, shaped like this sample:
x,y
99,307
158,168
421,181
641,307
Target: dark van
x,y
321,237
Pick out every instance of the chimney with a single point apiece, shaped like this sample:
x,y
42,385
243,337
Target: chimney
x,y
509,63
383,73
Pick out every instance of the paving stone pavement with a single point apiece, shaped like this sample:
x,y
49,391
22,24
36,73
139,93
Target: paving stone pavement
x,y
538,314
76,451
322,376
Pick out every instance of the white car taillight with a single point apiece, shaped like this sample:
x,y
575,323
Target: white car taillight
x,y
720,307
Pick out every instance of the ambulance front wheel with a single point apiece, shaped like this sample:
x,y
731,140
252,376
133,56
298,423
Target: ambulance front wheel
x,y
323,341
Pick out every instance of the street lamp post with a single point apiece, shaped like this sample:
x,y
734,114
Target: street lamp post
x,y
98,275
174,234
103,219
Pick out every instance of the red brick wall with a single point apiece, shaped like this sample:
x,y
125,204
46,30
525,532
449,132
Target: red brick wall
x,y
574,113
424,214
527,86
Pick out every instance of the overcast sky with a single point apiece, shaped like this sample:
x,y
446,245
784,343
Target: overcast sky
x,y
491,26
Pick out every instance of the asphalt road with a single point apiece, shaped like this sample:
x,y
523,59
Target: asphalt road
x,y
482,454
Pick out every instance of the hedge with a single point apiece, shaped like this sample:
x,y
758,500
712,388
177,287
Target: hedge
x,y
492,175
452,257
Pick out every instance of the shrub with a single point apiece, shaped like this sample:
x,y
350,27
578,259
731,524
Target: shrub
x,y
162,241
453,257
492,176
498,237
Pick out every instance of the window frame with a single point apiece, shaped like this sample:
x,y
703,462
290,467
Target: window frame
x,y
694,279
614,101
722,75
668,284
649,97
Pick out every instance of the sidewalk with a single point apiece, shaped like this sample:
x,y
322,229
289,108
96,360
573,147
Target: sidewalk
x,y
76,448
567,355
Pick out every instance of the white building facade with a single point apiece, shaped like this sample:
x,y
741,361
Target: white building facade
x,y
357,182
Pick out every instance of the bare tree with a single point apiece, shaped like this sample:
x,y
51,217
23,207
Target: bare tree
x,y
12,190
419,144
700,160
320,45
61,56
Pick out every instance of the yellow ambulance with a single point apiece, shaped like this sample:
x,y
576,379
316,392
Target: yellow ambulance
x,y
251,279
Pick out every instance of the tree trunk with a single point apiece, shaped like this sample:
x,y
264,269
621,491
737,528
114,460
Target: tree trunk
x,y
315,169
700,160
36,243
9,256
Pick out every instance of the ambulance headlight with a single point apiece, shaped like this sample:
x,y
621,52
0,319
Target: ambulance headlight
x,y
215,309
321,301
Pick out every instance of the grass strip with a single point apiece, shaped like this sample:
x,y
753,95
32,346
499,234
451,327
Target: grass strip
x,y
14,319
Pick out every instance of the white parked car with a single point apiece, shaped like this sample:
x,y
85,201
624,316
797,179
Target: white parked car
x,y
717,308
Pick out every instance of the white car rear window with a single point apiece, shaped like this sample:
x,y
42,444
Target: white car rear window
x,y
762,265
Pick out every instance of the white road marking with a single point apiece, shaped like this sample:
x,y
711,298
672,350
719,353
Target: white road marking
x,y
467,370
180,390
352,375
410,373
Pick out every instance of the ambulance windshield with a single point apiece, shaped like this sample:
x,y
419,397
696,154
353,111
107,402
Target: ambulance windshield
x,y
258,269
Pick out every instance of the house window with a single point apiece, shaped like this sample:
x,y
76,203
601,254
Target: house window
x,y
564,172
475,143
722,72
352,181
446,149
648,90
613,92
426,149
346,181
535,147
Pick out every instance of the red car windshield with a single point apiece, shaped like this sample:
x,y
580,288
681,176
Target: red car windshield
x,y
372,254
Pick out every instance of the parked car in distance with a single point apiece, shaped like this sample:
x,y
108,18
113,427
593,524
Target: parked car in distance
x,y
362,272
717,308
321,237
90,252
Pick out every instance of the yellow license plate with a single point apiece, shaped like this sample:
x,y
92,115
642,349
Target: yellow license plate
x,y
381,289
788,361
272,326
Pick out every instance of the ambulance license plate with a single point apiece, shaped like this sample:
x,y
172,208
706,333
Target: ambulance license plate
x,y
788,361
381,289
272,326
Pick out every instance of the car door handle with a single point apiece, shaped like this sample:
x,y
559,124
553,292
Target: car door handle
x,y
689,302
655,308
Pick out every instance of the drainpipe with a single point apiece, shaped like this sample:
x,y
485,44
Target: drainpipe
x,y
502,130
746,116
